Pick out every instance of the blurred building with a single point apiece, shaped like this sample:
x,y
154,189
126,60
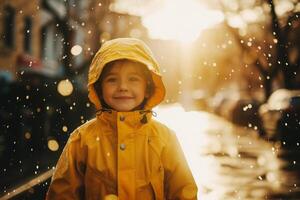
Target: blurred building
x,y
41,34
20,34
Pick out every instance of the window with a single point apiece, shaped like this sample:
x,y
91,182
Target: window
x,y
27,34
9,26
43,41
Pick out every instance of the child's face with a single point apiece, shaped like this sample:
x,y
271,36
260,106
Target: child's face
x,y
124,86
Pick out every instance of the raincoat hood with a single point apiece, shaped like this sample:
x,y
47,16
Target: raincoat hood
x,y
131,49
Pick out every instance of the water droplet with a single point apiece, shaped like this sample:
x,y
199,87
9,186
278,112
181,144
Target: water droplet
x,y
76,50
65,128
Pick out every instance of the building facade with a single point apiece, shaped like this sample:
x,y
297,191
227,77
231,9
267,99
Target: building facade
x,y
20,35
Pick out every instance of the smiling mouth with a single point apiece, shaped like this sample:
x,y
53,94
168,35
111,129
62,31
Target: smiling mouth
x,y
123,97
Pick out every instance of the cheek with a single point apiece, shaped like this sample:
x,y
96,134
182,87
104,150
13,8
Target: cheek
x,y
143,91
107,91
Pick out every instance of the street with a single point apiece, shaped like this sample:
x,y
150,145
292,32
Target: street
x,y
230,162
227,162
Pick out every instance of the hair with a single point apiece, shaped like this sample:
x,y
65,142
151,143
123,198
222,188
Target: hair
x,y
107,68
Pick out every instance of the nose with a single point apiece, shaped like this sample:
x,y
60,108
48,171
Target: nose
x,y
123,86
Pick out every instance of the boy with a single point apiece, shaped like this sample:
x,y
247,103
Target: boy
x,y
123,153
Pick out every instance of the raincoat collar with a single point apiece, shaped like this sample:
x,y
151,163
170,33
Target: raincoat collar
x,y
132,120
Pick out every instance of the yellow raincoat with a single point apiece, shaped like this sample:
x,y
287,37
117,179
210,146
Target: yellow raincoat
x,y
124,155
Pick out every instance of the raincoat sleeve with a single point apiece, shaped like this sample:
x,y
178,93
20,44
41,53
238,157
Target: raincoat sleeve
x,y
179,182
67,181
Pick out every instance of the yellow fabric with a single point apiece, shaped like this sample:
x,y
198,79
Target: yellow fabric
x,y
116,156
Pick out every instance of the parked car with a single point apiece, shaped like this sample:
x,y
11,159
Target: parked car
x,y
281,114
239,109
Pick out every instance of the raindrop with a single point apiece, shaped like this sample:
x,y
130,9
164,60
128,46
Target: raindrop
x,y
53,145
76,50
27,135
65,87
65,128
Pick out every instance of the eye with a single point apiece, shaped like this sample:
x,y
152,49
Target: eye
x,y
111,79
135,78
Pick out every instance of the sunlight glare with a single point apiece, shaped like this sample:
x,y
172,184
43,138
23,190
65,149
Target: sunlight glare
x,y
190,128
180,20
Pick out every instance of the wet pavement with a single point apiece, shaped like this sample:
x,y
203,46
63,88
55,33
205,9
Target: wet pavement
x,y
228,162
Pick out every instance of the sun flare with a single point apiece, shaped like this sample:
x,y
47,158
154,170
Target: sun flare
x,y
180,20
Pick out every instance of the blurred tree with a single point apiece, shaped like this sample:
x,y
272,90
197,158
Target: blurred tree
x,y
267,32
